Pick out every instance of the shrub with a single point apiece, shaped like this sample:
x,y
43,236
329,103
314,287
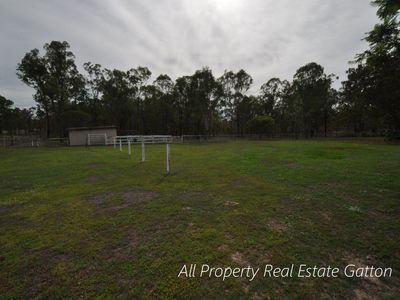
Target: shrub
x,y
261,125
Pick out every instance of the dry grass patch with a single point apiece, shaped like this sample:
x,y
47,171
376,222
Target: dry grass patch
x,y
238,258
223,248
230,203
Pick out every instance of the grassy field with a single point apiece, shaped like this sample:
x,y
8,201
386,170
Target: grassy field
x,y
77,222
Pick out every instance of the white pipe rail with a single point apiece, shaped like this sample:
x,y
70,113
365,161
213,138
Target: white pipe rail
x,y
147,139
168,161
143,154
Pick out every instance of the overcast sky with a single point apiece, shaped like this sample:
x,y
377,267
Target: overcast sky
x,y
267,38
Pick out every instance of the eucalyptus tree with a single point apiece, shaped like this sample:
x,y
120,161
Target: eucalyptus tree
x,y
137,78
204,97
93,82
116,94
234,88
164,88
181,95
55,78
5,113
381,65
32,70
312,86
271,94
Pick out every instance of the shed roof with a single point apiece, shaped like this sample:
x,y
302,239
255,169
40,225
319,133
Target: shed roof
x,y
90,128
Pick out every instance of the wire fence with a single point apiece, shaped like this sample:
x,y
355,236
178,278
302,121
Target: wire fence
x,y
37,141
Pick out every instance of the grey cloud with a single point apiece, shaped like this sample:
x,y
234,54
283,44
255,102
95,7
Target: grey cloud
x,y
267,38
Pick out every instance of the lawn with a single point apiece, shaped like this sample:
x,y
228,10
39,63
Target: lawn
x,y
93,222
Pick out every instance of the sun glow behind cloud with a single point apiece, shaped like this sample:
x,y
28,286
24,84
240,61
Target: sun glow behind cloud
x,y
227,6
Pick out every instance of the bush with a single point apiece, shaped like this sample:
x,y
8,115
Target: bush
x,y
391,134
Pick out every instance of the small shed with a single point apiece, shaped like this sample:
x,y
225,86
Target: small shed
x,y
99,135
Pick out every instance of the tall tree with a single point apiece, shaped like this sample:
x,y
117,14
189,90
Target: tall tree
x,y
270,95
32,70
93,82
55,78
205,96
5,113
181,102
312,86
164,87
234,87
382,65
117,94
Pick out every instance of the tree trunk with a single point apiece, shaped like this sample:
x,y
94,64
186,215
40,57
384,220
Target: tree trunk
x,y
47,124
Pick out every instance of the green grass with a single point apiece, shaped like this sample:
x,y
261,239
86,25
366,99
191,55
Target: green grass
x,y
92,222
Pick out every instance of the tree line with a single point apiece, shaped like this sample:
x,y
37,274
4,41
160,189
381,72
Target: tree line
x,y
368,102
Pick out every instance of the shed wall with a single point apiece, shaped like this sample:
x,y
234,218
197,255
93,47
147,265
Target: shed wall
x,y
79,137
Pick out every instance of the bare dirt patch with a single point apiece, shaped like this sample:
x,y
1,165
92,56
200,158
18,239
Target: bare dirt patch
x,y
245,288
230,203
238,258
41,275
223,248
189,195
326,217
277,226
96,165
293,165
102,198
138,196
229,235
96,178
114,201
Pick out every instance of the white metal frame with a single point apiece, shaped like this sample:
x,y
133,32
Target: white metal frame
x,y
143,139
139,139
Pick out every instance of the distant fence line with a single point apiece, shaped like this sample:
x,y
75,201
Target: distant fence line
x,y
37,141
31,141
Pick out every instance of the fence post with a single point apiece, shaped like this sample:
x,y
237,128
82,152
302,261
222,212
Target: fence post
x,y
105,139
115,142
129,147
143,154
32,142
168,161
120,144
